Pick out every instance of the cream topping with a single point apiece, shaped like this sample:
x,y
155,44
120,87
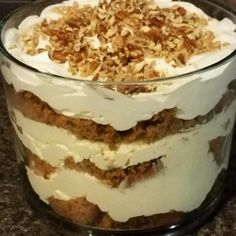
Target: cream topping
x,y
104,106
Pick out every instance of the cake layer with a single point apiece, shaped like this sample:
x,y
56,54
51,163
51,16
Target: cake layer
x,y
113,178
80,211
159,126
189,158
39,166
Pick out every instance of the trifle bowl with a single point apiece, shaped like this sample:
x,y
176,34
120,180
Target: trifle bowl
x,y
122,111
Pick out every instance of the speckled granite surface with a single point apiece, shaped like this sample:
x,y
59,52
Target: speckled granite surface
x,y
16,217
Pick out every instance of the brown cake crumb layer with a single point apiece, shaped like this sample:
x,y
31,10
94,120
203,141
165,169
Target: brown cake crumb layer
x,y
80,211
160,125
218,147
40,167
115,177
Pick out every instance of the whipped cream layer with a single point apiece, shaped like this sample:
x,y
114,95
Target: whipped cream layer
x,y
189,173
192,95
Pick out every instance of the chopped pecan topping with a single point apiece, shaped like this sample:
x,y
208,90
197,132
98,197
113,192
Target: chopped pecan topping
x,y
110,40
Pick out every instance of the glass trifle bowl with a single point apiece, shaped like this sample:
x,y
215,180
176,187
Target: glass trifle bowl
x,y
122,111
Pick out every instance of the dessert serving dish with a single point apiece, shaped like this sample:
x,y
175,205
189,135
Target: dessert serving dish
x,y
122,111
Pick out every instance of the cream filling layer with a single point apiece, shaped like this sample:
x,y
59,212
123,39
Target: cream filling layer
x,y
189,173
104,106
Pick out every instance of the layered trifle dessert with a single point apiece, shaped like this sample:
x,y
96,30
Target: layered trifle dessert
x,y
123,109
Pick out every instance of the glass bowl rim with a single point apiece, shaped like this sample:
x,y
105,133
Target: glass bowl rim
x,y
212,3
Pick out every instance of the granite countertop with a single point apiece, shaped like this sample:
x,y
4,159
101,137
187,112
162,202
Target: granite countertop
x,y
16,217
